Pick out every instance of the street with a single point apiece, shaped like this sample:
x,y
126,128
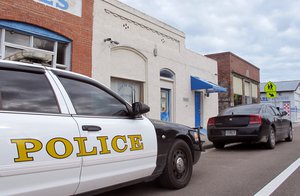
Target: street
x,y
239,169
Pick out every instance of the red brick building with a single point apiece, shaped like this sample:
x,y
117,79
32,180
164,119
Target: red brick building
x,y
240,77
59,31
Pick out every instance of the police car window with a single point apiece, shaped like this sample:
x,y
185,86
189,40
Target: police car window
x,y
91,100
26,92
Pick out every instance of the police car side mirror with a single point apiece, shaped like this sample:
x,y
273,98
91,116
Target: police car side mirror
x,y
139,108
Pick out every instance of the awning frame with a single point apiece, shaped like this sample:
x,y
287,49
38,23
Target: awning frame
x,y
209,87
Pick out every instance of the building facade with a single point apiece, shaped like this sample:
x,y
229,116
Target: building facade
x,y
136,55
240,77
144,59
58,32
287,98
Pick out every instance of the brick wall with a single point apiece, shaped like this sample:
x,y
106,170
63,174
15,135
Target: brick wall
x,y
224,78
78,29
230,63
241,67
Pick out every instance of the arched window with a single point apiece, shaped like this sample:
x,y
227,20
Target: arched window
x,y
166,73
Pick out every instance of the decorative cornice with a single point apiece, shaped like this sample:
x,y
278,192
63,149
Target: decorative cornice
x,y
142,26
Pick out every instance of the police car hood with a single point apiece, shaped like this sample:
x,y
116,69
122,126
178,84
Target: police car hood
x,y
162,125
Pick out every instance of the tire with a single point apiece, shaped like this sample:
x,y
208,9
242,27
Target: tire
x,y
271,139
290,136
219,145
179,166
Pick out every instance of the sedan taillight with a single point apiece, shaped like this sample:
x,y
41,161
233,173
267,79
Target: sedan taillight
x,y
211,122
255,119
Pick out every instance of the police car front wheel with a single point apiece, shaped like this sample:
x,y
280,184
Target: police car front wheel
x,y
179,167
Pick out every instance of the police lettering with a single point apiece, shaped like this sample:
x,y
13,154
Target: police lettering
x,y
61,148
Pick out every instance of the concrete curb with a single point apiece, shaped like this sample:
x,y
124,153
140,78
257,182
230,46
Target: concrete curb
x,y
207,144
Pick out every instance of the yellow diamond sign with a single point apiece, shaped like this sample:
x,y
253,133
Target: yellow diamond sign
x,y
270,89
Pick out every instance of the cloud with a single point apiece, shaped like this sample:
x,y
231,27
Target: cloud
x,y
265,33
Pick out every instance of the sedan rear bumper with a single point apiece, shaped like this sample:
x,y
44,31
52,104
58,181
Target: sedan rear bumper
x,y
253,133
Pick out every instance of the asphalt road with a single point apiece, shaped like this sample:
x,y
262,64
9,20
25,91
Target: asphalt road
x,y
237,170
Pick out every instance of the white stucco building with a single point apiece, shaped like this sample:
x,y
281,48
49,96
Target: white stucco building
x,y
144,59
288,98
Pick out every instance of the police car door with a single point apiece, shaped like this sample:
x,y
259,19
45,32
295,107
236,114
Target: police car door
x,y
115,148
35,131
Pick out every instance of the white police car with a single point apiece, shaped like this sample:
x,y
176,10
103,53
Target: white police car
x,y
62,133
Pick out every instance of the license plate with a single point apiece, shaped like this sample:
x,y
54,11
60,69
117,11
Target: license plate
x,y
230,132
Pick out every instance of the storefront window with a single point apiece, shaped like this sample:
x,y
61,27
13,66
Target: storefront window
x,y
43,44
247,92
10,51
130,90
17,38
254,88
61,53
238,99
29,43
0,43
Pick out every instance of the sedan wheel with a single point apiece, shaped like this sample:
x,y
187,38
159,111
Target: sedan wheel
x,y
178,170
271,139
290,136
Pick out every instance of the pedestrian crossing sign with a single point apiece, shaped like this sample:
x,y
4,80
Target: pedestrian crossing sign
x,y
270,89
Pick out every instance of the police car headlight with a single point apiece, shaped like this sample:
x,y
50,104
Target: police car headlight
x,y
195,133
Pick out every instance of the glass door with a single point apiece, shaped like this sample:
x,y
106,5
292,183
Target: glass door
x,y
165,105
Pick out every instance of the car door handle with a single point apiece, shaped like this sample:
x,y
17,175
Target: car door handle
x,y
91,128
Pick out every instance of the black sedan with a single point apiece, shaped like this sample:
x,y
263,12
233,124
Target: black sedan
x,y
250,123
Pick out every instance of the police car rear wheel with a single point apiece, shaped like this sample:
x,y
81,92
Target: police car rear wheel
x,y
179,167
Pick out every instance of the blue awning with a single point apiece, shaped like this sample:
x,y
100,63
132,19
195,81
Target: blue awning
x,y
199,84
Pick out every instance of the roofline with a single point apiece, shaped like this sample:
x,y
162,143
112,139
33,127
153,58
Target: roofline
x,y
230,53
141,15
284,81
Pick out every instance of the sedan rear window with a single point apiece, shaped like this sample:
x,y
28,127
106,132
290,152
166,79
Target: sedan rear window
x,y
245,109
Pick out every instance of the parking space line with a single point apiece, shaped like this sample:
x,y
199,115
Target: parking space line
x,y
276,182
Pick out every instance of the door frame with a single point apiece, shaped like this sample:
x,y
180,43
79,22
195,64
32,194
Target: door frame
x,y
198,112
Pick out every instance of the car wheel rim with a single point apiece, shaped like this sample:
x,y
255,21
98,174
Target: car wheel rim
x,y
291,133
179,164
272,137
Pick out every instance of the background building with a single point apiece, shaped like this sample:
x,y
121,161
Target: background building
x,y
139,57
59,32
240,77
288,98
144,59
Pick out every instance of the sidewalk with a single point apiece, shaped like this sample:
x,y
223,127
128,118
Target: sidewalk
x,y
207,144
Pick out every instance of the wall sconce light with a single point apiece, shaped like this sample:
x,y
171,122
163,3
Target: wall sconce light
x,y
206,93
111,41
155,52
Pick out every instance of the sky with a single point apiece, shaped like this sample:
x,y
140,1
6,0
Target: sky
x,y
265,33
